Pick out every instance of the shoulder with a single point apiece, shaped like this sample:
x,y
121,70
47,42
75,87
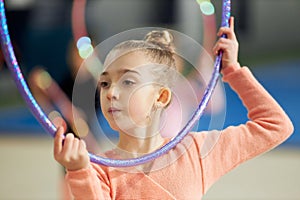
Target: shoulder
x,y
202,142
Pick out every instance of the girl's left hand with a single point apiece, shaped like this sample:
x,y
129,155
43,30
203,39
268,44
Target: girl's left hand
x,y
228,45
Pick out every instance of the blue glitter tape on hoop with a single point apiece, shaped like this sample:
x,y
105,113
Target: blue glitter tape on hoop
x,y
50,128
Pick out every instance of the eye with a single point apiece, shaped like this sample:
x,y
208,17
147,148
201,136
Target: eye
x,y
128,82
103,84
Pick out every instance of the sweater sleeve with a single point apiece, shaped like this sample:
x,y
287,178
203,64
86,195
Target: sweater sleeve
x,y
89,183
268,126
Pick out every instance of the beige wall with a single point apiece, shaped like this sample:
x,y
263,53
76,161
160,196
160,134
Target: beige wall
x,y
28,171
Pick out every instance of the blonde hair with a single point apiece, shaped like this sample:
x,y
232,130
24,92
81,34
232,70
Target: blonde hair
x,y
158,46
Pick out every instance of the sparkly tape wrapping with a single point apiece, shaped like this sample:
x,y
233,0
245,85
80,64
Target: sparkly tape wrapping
x,y
50,128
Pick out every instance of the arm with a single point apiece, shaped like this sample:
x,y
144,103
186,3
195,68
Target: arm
x,y
85,180
88,183
268,124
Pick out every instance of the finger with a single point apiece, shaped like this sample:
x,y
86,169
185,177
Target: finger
x,y
68,144
231,23
220,47
82,146
231,35
75,145
82,152
59,137
215,50
221,44
228,31
224,30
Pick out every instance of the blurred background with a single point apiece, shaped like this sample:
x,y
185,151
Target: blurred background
x,y
41,32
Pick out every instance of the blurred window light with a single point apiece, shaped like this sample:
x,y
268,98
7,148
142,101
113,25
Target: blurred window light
x,y
19,4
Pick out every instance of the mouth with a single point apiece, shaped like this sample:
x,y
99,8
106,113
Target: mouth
x,y
113,110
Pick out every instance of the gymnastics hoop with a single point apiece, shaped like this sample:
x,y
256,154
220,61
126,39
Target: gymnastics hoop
x,y
13,66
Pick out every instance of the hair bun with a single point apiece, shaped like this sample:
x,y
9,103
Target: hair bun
x,y
163,39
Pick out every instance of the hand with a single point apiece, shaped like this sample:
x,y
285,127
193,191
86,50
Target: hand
x,y
70,151
228,45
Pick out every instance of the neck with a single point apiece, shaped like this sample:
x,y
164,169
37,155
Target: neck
x,y
141,140
137,145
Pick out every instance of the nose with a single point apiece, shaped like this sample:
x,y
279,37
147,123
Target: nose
x,y
113,93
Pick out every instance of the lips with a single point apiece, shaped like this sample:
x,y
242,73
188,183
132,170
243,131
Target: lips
x,y
113,110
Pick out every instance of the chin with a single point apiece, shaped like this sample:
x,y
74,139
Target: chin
x,y
114,126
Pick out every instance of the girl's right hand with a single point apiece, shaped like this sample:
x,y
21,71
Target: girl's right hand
x,y
70,151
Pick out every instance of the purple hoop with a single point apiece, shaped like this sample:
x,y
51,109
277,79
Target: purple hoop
x,y
13,66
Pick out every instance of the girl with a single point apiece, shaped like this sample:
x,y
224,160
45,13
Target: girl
x,y
134,91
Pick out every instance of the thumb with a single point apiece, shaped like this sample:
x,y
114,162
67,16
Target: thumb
x,y
58,140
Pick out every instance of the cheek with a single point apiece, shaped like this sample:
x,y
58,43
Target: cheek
x,y
103,103
101,100
140,104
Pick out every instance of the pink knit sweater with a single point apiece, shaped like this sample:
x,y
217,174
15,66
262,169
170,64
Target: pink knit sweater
x,y
188,170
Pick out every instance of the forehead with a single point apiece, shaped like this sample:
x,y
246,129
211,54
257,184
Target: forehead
x,y
128,60
135,62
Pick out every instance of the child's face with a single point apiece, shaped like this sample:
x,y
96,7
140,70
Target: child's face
x,y
128,92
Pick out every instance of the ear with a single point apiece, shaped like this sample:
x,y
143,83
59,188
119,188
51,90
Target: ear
x,y
164,98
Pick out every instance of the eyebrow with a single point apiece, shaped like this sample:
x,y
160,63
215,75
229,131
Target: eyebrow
x,y
123,71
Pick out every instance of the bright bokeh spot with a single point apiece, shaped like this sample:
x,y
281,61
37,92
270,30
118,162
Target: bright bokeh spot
x,y
54,114
83,41
85,47
206,7
86,50
82,128
44,80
